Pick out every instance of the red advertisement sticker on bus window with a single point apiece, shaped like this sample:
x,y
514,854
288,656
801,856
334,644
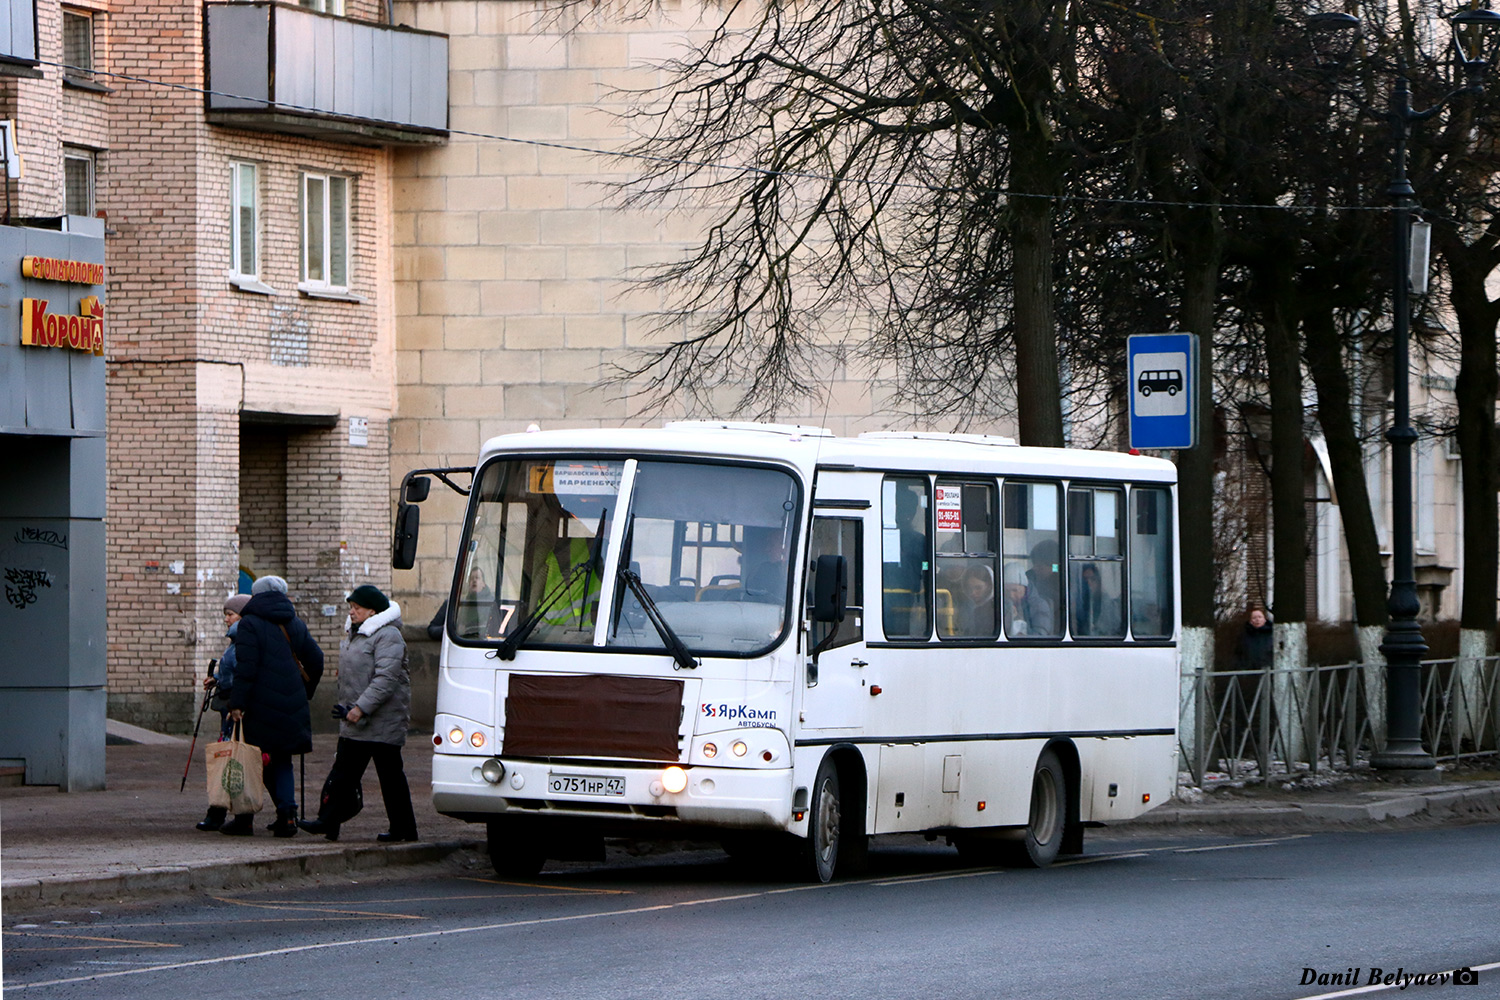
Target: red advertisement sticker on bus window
x,y
950,511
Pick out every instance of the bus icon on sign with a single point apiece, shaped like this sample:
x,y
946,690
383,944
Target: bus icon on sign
x,y
1169,382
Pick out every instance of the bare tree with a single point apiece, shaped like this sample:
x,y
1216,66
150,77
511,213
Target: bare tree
x,y
900,164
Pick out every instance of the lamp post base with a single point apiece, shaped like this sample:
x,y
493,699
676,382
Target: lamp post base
x,y
1404,762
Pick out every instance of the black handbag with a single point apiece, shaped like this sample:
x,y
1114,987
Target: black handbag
x,y
333,808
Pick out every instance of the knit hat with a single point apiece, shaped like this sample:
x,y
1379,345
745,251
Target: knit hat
x,y
236,603
265,583
367,596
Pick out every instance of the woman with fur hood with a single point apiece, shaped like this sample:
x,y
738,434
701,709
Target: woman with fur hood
x,y
375,705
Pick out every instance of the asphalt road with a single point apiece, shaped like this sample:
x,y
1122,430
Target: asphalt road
x,y
1189,917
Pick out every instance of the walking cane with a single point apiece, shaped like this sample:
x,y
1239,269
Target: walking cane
x,y
207,695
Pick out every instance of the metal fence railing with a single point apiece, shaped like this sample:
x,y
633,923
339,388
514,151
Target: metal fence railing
x,y
1257,724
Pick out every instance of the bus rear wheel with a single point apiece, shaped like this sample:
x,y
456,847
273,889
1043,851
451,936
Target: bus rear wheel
x,y
1040,841
820,851
513,853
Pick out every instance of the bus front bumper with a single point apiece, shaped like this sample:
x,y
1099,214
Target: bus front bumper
x,y
729,798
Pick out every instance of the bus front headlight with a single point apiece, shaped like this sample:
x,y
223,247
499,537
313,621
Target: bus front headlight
x,y
674,779
493,771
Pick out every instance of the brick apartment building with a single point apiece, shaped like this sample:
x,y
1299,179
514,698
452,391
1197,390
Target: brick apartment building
x,y
241,153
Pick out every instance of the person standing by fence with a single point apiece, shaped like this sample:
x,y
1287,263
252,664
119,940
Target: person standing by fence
x,y
1255,649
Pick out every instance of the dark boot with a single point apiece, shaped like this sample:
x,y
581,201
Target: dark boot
x,y
243,825
396,838
214,819
286,822
320,827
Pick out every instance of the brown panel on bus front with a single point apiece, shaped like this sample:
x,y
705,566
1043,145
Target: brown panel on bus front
x,y
592,716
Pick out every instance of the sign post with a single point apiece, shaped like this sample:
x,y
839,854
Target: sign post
x,y
1162,369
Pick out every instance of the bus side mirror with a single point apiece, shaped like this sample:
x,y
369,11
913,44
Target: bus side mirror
x,y
404,544
417,489
830,589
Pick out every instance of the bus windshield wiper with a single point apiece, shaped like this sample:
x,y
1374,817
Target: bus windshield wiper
x,y
669,638
512,642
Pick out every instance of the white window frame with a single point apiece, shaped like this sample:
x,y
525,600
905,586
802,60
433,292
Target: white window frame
x,y
319,259
237,206
335,7
86,157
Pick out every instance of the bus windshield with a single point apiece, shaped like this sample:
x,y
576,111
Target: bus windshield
x,y
711,543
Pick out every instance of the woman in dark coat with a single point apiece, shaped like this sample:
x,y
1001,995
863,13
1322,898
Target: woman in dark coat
x,y
277,667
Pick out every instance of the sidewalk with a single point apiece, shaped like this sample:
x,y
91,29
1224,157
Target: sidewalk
x,y
138,836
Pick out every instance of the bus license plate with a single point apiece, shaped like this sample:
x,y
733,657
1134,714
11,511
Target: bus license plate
x,y
586,784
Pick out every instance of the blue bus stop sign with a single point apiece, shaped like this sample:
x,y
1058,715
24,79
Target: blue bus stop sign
x,y
1163,389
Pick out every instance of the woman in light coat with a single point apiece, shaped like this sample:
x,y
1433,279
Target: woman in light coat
x,y
375,705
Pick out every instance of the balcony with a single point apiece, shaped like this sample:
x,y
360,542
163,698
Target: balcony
x,y
18,38
274,67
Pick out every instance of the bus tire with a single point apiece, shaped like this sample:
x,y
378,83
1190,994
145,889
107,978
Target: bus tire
x,y
513,853
1145,390
1042,838
824,825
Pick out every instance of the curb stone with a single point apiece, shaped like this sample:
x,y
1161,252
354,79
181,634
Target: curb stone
x,y
77,890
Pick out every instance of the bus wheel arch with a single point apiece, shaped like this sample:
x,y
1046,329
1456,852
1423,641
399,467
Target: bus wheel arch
x,y
1067,755
1054,798
836,841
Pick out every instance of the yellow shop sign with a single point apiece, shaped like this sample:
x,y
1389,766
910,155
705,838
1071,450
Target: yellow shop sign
x,y
84,332
79,272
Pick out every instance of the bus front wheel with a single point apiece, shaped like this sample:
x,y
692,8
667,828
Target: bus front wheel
x,y
513,853
824,826
1039,843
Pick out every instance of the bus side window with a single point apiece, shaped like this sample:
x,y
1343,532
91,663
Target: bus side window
x,y
906,558
1096,563
1151,609
836,536
967,554
1032,551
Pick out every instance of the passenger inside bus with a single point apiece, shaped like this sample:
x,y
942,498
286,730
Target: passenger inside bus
x,y
1095,611
1042,590
763,566
976,610
1014,612
905,605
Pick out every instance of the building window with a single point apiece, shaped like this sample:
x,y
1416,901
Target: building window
x,y
78,45
324,6
244,220
325,231
78,181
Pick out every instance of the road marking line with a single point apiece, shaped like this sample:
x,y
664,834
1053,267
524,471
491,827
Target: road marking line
x,y
1095,859
302,907
1381,987
554,888
938,878
1235,847
86,937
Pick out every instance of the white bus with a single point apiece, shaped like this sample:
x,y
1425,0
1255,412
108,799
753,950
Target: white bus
x,y
792,641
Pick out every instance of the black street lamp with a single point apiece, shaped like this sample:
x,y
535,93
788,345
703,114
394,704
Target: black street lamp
x,y
1473,32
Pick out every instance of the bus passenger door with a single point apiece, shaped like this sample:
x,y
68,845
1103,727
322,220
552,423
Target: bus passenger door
x,y
834,694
